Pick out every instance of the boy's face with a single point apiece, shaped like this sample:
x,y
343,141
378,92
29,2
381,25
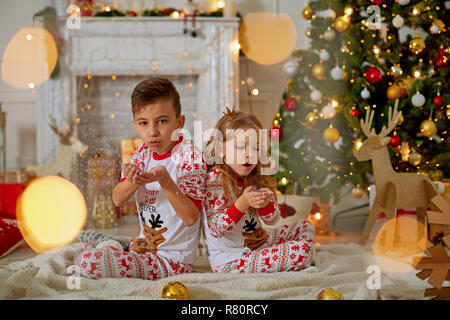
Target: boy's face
x,y
155,124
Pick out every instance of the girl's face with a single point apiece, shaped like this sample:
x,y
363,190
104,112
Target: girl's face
x,y
241,151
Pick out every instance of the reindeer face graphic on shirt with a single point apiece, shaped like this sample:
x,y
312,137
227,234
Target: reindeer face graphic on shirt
x,y
153,237
254,237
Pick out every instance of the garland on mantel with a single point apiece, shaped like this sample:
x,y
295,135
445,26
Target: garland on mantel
x,y
166,12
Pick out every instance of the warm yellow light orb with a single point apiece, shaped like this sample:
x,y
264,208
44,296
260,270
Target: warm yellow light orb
x,y
29,57
50,213
267,38
409,241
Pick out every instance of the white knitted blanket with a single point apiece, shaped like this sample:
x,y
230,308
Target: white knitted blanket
x,y
339,266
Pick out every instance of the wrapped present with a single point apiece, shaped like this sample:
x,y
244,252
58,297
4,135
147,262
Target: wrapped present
x,y
9,194
10,236
128,146
17,176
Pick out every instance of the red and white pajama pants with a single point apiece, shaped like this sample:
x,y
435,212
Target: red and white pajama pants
x,y
288,248
110,263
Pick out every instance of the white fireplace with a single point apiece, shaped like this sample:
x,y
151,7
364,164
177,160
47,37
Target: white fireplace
x,y
104,59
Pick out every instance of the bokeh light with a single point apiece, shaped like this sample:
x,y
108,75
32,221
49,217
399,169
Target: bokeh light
x,y
29,58
409,241
50,213
267,38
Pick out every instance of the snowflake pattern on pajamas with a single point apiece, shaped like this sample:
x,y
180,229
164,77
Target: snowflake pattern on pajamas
x,y
110,263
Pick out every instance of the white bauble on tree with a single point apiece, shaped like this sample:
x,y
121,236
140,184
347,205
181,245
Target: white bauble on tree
x,y
398,22
418,100
403,2
447,5
324,55
337,73
328,111
316,95
290,68
365,94
329,34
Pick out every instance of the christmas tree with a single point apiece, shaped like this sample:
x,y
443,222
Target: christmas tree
x,y
365,53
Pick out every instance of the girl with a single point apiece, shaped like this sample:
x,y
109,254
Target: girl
x,y
237,197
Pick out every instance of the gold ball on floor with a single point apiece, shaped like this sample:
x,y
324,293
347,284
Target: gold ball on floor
x,y
329,294
175,290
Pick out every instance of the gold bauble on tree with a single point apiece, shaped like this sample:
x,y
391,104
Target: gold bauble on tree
x,y
311,119
319,71
175,290
329,294
428,128
357,192
307,12
414,158
416,45
342,23
331,134
395,92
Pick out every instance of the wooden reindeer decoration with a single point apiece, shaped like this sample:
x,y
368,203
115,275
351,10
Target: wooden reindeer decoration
x,y
153,238
68,147
393,190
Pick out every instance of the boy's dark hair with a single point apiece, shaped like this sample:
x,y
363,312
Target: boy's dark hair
x,y
152,89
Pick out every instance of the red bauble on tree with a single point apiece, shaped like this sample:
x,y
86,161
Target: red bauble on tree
x,y
395,141
354,112
373,75
290,104
377,2
438,101
442,61
276,134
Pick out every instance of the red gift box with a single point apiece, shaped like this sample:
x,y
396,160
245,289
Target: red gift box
x,y
10,236
9,194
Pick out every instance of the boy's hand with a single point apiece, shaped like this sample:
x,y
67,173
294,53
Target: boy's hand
x,y
129,171
159,174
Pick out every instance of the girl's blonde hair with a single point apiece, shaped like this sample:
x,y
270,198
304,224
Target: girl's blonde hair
x,y
235,120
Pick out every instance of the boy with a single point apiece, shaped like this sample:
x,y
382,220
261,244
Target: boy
x,y
168,176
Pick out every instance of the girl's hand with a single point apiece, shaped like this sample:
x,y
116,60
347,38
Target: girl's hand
x,y
267,194
255,199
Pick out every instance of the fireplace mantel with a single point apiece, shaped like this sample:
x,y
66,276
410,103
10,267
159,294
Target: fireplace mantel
x,y
142,46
